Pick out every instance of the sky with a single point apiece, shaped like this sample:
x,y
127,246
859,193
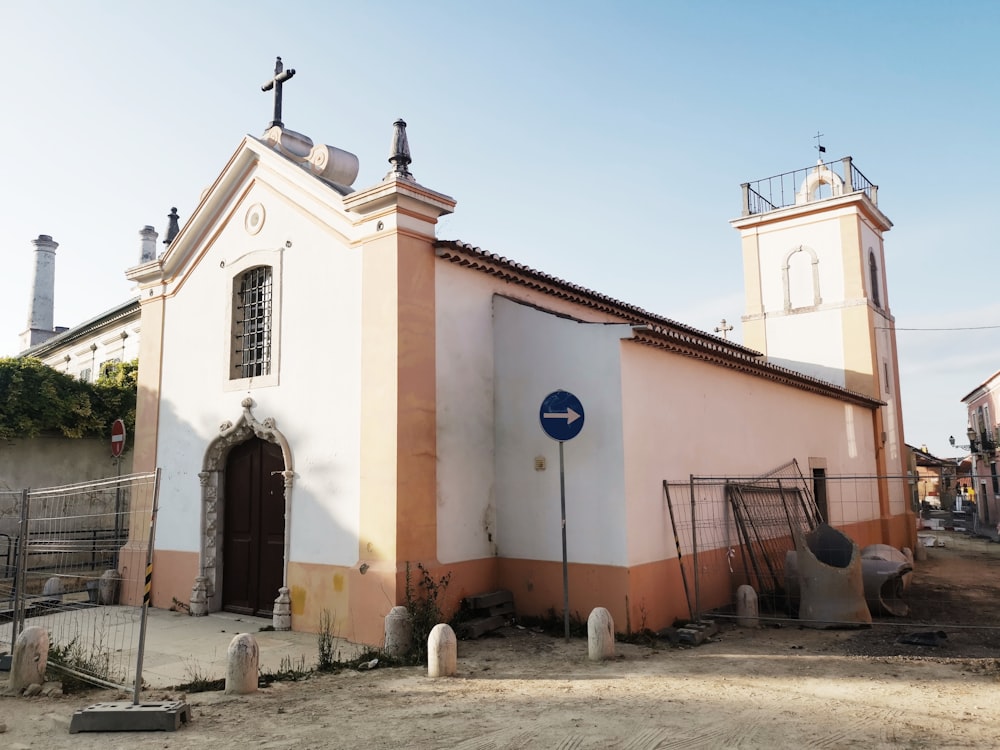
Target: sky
x,y
601,142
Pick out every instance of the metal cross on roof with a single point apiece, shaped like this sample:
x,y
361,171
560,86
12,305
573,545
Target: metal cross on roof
x,y
280,76
819,146
724,329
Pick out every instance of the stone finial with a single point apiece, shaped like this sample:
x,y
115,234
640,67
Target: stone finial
x,y
400,158
173,226
281,618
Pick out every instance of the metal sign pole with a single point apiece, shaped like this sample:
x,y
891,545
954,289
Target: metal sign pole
x,y
561,416
562,507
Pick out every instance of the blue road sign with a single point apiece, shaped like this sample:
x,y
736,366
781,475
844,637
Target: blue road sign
x,y
561,415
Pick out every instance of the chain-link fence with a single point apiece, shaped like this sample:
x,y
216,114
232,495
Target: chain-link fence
x,y
75,561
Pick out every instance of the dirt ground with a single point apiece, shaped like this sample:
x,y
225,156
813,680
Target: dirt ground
x,y
775,687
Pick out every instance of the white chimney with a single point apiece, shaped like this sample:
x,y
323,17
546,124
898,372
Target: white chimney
x,y
148,237
43,286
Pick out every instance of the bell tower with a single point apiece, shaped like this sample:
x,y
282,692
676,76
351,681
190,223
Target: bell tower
x,y
816,294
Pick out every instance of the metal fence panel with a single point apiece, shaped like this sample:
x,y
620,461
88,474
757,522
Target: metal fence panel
x,y
80,556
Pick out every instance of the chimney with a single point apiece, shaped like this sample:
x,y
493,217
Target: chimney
x,y
148,236
43,285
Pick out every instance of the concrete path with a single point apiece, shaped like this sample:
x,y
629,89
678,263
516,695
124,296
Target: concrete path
x,y
179,648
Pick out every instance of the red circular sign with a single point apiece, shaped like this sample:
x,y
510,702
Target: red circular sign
x,y
117,438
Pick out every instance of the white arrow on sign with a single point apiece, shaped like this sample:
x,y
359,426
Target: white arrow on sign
x,y
569,415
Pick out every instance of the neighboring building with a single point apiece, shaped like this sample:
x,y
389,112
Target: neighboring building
x,y
937,478
83,350
335,395
983,407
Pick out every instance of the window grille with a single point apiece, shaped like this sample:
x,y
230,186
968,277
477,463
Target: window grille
x,y
252,329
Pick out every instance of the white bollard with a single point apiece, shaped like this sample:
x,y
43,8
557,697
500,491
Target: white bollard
x,y
747,607
398,631
53,590
442,652
600,635
243,657
281,619
30,659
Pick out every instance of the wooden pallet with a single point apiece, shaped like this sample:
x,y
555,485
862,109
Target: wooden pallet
x,y
486,612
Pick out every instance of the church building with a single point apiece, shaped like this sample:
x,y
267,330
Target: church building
x,y
335,395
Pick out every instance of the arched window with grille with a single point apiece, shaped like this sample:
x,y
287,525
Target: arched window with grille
x,y
252,323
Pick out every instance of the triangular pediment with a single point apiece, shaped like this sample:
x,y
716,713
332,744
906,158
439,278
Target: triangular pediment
x,y
255,174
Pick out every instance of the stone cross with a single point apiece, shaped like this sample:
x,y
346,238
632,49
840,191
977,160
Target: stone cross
x,y
724,329
280,76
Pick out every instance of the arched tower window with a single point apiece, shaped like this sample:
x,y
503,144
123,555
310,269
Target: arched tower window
x,y
800,278
873,275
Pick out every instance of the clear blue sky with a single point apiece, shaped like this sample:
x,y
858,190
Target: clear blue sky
x,y
600,142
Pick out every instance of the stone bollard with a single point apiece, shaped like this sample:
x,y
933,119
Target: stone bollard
x,y
281,619
108,586
747,607
442,652
30,659
600,635
398,632
242,660
53,590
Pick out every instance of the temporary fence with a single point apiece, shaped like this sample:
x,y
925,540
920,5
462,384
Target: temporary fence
x,y
76,561
735,530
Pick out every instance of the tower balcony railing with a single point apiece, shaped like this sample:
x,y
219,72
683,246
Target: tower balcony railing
x,y
819,182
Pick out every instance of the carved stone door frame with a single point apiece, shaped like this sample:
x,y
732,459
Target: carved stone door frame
x,y
206,594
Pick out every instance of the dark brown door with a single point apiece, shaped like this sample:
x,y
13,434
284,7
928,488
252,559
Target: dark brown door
x,y
254,546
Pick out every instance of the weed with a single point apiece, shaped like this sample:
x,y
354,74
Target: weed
x,y
289,670
423,602
82,665
198,681
325,640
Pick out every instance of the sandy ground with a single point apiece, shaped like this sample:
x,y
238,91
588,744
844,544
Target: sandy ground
x,y
775,687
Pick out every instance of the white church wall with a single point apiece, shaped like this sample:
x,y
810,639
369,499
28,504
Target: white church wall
x,y
537,353
684,417
466,513
320,332
822,236
803,343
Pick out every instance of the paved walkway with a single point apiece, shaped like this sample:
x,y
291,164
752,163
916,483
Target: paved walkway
x,y
179,648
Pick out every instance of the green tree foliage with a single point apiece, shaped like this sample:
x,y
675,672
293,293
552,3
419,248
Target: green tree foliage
x,y
36,400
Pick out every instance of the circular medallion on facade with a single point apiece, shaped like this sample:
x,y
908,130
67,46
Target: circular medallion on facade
x,y
254,220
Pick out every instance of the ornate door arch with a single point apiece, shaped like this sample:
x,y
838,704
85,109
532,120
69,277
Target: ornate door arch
x,y
207,591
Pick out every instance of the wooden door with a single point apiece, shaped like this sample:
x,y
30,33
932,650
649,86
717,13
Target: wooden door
x,y
254,531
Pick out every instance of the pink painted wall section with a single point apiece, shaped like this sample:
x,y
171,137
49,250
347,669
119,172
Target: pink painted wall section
x,y
682,417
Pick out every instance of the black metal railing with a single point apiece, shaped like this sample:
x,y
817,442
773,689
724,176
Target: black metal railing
x,y
819,182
